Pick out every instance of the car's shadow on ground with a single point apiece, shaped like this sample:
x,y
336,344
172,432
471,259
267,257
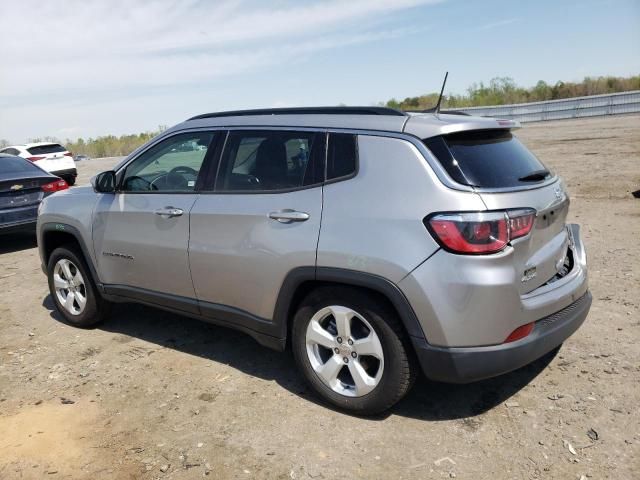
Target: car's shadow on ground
x,y
16,242
427,401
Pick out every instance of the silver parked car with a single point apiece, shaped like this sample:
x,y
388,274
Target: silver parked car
x,y
373,243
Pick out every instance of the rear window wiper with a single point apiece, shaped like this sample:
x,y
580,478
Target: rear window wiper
x,y
535,176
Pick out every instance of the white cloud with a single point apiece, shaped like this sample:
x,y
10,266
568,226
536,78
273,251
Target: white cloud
x,y
86,52
118,44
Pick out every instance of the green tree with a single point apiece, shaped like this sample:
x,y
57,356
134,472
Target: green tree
x,y
504,90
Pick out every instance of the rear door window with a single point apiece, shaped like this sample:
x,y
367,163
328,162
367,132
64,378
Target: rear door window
x,y
487,158
44,149
270,160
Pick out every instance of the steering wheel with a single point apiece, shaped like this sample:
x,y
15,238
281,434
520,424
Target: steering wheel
x,y
183,169
130,184
174,179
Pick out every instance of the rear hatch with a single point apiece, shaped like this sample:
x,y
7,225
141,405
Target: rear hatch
x,y
21,183
508,176
20,190
52,157
17,193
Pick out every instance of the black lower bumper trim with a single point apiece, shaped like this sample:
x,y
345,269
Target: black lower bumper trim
x,y
70,172
468,364
26,226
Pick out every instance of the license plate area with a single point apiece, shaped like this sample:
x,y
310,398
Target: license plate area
x,y
19,199
565,267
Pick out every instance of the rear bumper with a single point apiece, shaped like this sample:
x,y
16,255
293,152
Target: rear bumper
x,y
468,364
18,219
69,172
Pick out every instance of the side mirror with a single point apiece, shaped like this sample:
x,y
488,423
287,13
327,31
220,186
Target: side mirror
x,y
104,182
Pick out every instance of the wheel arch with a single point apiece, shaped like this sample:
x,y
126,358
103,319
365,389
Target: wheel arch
x,y
54,235
301,281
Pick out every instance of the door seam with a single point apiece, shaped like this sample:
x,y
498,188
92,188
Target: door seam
x,y
193,285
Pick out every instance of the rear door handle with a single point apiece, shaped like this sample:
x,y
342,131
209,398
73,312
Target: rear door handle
x,y
169,212
289,216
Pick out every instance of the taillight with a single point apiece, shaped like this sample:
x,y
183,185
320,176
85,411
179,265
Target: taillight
x,y
35,159
55,186
480,232
520,222
68,154
520,332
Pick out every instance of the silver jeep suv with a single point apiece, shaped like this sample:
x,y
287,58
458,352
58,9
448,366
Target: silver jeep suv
x,y
373,243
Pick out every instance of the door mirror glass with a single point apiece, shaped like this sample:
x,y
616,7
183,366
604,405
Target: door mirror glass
x,y
104,182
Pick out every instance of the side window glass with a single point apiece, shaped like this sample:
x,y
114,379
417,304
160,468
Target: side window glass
x,y
268,160
172,165
342,155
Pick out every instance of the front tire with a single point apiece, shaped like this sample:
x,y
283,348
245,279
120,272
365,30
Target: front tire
x,y
72,289
352,350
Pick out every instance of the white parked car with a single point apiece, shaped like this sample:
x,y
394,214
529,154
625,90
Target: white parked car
x,y
52,157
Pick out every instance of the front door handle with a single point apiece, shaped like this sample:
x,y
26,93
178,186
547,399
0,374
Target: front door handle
x,y
289,216
169,212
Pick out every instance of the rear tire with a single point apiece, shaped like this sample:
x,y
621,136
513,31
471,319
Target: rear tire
x,y
71,181
365,373
72,289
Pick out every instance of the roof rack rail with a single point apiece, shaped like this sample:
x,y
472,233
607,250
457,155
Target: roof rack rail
x,y
306,111
445,112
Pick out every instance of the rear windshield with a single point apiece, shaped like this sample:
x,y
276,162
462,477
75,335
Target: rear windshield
x,y
487,158
44,149
13,165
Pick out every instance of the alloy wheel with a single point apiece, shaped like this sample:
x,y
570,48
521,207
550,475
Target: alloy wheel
x,y
344,351
69,286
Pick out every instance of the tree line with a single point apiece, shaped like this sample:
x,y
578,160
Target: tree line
x,y
499,91
102,146
504,91
110,145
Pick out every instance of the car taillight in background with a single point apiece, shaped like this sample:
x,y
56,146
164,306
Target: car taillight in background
x,y
480,233
55,186
35,159
68,154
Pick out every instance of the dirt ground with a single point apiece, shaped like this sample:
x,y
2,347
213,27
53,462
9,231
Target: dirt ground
x,y
155,395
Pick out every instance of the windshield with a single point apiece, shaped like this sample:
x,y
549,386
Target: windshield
x,y
487,158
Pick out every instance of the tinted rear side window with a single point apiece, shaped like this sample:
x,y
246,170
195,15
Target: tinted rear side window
x,y
14,165
342,155
44,149
485,158
270,160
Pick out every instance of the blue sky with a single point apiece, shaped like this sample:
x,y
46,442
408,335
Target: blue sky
x,y
88,68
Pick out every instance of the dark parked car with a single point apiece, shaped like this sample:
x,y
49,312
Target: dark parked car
x,y
23,185
81,158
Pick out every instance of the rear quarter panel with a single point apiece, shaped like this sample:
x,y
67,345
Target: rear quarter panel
x,y
373,222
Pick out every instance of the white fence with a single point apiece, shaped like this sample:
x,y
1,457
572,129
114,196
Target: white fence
x,y
596,105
